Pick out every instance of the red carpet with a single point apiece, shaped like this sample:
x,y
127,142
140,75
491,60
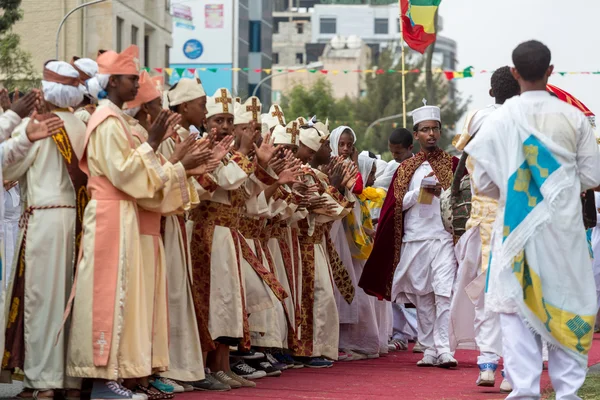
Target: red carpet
x,y
394,376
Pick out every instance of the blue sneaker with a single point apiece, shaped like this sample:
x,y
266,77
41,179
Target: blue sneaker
x,y
487,375
317,362
111,390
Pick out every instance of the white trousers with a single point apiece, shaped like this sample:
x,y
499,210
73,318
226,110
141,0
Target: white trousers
x,y
523,363
433,317
405,323
488,333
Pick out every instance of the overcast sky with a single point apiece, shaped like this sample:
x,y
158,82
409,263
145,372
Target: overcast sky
x,y
487,31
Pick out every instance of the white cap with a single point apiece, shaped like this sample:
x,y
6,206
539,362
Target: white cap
x,y
186,90
426,113
219,103
274,117
248,111
288,134
314,134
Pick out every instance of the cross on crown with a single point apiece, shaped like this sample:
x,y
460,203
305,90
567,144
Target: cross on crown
x,y
277,113
255,108
293,131
225,100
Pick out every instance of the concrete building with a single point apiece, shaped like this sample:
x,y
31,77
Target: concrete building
x,y
113,24
336,59
229,41
377,25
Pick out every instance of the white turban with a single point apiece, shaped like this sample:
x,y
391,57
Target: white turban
x,y
62,95
334,139
88,67
97,85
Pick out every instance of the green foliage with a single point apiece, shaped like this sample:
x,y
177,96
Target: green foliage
x,y
383,98
16,68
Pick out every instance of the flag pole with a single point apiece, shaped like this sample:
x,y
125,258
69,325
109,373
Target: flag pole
x,y
403,66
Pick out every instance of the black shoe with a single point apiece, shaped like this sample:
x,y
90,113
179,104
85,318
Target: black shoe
x,y
247,355
264,365
247,372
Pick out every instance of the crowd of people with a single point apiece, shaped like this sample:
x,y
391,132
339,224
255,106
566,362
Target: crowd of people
x,y
172,241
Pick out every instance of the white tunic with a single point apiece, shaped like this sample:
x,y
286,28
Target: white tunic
x,y
427,263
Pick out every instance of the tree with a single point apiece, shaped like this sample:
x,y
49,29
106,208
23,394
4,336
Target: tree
x,y
318,100
16,68
383,98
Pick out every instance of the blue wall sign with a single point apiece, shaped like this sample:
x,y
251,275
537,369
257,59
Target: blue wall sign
x,y
193,49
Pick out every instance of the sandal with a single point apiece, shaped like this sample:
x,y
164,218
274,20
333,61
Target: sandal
x,y
36,394
153,393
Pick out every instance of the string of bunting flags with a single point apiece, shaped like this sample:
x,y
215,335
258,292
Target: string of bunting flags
x,y
468,72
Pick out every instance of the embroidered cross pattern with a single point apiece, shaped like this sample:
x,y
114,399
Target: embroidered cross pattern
x,y
293,131
277,113
531,155
522,185
225,100
102,342
580,328
255,108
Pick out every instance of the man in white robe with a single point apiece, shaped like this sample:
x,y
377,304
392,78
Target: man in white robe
x,y
471,325
536,154
413,258
47,247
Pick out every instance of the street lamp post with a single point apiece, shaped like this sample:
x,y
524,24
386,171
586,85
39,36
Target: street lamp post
x,y
317,65
385,119
67,16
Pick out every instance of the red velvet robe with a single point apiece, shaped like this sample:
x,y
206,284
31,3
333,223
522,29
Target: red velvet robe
x,y
378,273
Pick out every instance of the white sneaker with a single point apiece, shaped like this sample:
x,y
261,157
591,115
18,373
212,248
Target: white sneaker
x,y
487,375
177,388
372,356
397,345
446,361
427,361
354,356
419,348
505,386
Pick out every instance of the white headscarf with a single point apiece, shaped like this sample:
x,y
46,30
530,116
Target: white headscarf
x,y
57,93
334,138
365,165
381,166
385,180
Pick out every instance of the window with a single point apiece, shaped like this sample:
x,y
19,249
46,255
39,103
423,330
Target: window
x,y
381,26
254,37
328,25
134,34
275,26
146,50
167,56
299,58
399,28
300,28
275,58
120,24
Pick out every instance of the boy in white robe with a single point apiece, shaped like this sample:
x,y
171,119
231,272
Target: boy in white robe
x,y
536,155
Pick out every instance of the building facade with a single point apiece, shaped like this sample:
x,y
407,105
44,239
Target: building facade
x,y
227,42
113,24
377,23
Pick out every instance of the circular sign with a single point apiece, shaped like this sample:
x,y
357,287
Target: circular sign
x,y
193,49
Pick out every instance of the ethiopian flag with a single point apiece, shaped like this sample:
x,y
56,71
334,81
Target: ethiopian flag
x,y
418,22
